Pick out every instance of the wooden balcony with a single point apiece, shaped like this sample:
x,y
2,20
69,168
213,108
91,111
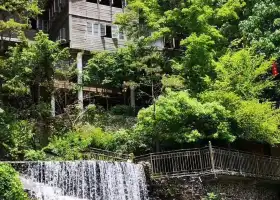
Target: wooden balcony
x,y
97,90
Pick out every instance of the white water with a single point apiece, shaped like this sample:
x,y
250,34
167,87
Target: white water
x,y
85,180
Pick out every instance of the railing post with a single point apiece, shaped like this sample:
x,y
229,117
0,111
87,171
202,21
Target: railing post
x,y
212,158
257,165
200,159
239,163
152,167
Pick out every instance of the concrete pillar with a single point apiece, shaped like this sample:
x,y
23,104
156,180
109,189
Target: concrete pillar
x,y
132,96
80,79
53,105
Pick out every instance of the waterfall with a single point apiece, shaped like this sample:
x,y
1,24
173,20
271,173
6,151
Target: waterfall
x,y
85,180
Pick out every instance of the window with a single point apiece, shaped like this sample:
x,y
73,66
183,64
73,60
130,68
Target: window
x,y
45,26
176,43
89,28
172,43
121,35
108,31
105,2
42,25
63,34
103,30
95,29
124,3
117,3
115,31
33,24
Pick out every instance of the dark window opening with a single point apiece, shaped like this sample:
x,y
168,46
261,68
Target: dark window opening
x,y
177,43
172,43
92,1
108,31
117,3
168,43
33,24
105,2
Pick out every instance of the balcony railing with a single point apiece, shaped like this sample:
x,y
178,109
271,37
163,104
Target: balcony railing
x,y
212,160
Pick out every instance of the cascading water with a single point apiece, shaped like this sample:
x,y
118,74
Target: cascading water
x,y
85,180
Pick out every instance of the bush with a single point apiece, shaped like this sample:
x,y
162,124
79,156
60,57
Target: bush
x,y
34,155
72,146
15,135
123,110
10,186
91,113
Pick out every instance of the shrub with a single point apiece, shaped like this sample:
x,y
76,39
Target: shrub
x,y
34,155
91,113
123,110
72,146
15,135
10,186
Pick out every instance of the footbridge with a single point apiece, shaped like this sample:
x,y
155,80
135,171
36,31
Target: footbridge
x,y
212,161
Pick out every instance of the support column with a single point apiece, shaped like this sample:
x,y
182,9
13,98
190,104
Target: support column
x,y
53,104
80,79
132,96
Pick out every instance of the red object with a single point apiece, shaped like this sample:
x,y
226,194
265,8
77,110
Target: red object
x,y
274,69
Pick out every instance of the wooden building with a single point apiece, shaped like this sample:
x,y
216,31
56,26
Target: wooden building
x,y
84,24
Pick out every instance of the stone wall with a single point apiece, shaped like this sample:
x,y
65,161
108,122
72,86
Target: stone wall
x,y
197,188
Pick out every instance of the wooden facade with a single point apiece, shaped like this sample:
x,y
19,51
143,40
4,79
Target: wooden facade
x,y
84,25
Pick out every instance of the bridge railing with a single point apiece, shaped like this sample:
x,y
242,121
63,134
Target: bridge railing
x,y
212,160
245,164
98,154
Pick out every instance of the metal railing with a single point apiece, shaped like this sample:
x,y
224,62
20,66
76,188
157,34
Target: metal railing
x,y
89,154
192,162
212,160
98,154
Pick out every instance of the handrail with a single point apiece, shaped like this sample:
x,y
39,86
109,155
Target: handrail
x,y
245,152
212,160
108,153
89,154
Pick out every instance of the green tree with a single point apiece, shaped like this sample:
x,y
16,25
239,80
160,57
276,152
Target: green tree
x,y
181,118
33,65
260,27
16,136
133,66
133,63
14,15
244,73
28,76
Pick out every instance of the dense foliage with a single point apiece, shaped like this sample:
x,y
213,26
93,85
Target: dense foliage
x,y
211,80
10,185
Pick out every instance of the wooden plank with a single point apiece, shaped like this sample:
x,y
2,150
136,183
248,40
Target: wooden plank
x,y
90,10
